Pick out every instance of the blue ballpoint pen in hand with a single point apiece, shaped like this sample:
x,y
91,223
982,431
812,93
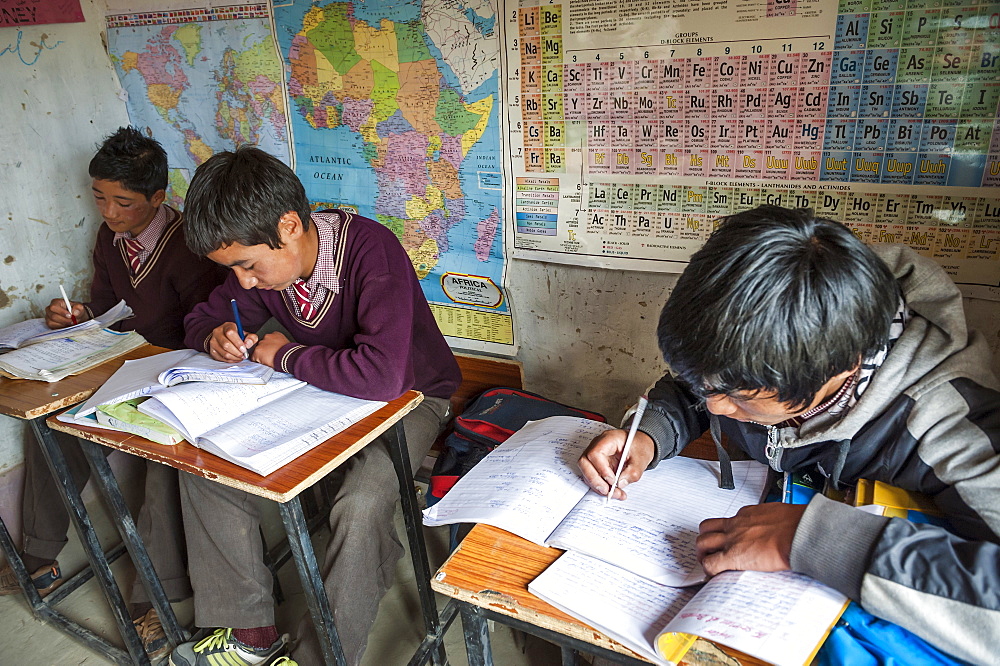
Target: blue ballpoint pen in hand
x,y
239,324
640,408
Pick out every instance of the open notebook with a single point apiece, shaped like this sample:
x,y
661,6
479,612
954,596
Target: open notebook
x,y
200,367
34,331
51,355
782,618
258,426
530,486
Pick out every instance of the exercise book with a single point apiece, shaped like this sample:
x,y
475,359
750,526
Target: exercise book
x,y
258,426
531,486
782,617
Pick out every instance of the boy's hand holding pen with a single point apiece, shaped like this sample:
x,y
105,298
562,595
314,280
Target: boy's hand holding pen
x,y
229,342
61,312
609,463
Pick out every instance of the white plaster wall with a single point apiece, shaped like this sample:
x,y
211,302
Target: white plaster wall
x,y
58,102
588,337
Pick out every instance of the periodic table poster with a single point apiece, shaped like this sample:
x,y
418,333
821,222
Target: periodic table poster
x,y
635,124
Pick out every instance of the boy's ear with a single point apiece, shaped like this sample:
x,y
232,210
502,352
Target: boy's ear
x,y
158,198
289,227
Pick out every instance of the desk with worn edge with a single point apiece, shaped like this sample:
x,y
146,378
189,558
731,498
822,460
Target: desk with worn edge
x,y
284,486
33,401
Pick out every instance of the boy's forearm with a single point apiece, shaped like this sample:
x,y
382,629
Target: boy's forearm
x,y
671,420
353,372
206,316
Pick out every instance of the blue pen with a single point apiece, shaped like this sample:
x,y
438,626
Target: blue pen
x,y
239,324
236,318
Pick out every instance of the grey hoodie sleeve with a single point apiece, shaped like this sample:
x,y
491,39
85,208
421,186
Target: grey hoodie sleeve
x,y
942,587
672,419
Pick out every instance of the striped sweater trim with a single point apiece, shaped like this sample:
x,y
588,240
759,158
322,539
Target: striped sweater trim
x,y
283,363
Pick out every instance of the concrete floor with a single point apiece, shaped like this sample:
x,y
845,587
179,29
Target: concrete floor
x,y
27,642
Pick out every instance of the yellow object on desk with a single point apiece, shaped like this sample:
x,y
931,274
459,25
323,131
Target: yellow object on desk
x,y
896,502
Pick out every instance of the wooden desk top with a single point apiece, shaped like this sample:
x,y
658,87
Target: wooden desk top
x,y
28,399
281,485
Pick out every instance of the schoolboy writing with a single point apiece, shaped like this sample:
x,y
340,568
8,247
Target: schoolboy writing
x,y
811,350
357,323
140,256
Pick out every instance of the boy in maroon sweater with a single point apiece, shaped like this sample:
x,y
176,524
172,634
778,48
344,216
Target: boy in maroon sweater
x,y
140,256
357,323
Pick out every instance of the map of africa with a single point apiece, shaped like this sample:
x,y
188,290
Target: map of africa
x,y
202,87
394,111
388,109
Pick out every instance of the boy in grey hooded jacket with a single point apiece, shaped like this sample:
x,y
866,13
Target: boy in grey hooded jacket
x,y
810,350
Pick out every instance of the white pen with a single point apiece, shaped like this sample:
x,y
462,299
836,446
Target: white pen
x,y
640,408
69,308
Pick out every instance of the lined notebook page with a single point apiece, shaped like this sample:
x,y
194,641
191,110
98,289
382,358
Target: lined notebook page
x,y
779,617
198,407
527,484
272,435
134,379
627,607
652,532
12,336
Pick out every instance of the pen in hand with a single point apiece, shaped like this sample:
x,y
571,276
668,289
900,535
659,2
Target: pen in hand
x,y
640,408
239,324
69,306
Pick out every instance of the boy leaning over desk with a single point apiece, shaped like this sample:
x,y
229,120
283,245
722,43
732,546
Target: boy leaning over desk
x,y
345,290
809,349
140,257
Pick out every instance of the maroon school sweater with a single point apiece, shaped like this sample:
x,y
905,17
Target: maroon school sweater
x,y
375,339
169,283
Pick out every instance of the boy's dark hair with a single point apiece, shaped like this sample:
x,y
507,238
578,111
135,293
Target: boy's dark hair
x,y
777,300
239,197
136,161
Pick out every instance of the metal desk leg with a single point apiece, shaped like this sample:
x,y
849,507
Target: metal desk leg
x,y
415,535
88,537
108,486
22,575
477,636
312,584
45,613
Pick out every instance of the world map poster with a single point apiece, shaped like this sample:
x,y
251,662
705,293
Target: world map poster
x,y
386,109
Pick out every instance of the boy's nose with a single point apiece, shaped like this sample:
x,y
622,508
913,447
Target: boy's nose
x,y
247,281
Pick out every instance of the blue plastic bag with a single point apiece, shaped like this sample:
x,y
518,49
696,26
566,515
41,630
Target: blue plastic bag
x,y
861,639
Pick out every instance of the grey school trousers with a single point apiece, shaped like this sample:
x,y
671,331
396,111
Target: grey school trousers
x,y
232,587
46,519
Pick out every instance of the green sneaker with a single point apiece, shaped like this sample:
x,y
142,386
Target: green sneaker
x,y
284,661
221,649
